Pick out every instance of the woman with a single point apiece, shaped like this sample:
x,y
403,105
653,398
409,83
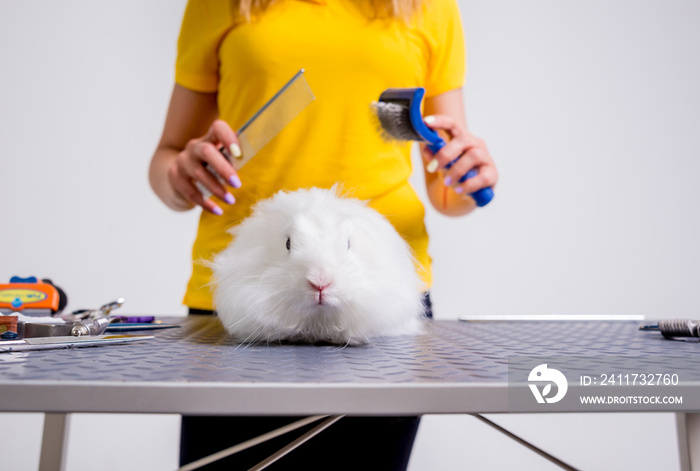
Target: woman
x,y
233,56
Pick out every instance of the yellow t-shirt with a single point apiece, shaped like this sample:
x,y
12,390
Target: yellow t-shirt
x,y
349,60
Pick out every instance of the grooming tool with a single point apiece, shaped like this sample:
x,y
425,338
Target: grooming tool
x,y
79,323
552,317
399,113
77,329
85,327
672,328
102,311
91,326
135,319
31,296
52,343
130,327
266,123
35,330
8,324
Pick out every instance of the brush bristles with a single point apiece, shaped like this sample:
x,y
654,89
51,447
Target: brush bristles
x,y
395,121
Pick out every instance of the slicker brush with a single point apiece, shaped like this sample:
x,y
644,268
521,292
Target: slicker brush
x,y
399,113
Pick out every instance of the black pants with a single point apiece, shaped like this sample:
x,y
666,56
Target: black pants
x,y
352,443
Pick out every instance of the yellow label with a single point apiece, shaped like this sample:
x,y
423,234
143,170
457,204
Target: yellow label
x,y
24,295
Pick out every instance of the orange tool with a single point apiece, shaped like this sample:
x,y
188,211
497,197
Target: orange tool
x,y
31,296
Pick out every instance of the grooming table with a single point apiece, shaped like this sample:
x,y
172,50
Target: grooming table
x,y
454,368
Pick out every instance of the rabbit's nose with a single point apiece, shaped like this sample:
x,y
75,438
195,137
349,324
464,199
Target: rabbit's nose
x,y
319,286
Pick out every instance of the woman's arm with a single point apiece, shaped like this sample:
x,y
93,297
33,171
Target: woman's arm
x,y
191,138
445,114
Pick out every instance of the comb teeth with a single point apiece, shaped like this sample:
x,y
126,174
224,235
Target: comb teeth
x,y
395,121
273,117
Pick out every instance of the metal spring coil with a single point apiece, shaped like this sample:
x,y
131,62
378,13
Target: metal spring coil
x,y
679,328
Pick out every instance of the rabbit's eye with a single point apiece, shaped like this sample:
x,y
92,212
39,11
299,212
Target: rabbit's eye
x,y
289,243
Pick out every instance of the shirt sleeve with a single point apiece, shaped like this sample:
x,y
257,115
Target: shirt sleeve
x,y
204,25
447,60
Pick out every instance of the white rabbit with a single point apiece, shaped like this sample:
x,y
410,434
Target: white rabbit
x,y
311,266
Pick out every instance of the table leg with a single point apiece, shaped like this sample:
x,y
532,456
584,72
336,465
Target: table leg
x,y
54,443
688,427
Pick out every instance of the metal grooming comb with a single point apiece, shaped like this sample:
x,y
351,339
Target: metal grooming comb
x,y
274,115
267,122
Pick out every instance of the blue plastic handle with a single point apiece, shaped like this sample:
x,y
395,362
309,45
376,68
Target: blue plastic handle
x,y
481,197
435,143
18,279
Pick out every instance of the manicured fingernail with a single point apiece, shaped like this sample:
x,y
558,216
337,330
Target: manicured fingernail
x,y
235,150
447,181
228,197
459,190
235,181
216,210
429,119
432,166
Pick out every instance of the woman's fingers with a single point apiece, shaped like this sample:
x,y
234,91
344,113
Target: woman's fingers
x,y
194,174
443,122
216,161
184,185
465,162
196,161
457,140
473,171
485,177
221,134
460,167
201,169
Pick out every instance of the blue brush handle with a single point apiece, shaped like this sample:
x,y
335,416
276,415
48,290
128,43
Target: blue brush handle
x,y
435,142
481,197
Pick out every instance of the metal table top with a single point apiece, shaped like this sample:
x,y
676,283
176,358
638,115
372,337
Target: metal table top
x,y
455,367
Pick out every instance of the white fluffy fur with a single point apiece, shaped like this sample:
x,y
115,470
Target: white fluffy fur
x,y
263,292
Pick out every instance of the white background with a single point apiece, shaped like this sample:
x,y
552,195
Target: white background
x,y
589,108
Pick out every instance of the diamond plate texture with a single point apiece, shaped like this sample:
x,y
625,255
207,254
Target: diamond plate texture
x,y
449,352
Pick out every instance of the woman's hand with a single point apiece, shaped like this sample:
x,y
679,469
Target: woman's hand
x,y
192,137
190,167
463,153
446,116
